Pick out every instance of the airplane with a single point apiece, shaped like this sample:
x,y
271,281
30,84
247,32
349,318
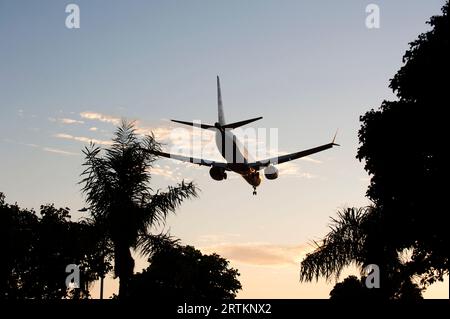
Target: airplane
x,y
236,156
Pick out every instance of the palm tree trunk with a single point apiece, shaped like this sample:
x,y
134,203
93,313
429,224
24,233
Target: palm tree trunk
x,y
124,265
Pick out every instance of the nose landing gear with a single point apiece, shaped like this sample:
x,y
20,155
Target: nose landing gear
x,y
254,190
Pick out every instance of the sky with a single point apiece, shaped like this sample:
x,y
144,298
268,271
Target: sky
x,y
307,67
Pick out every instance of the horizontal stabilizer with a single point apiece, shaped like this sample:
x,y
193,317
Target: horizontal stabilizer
x,y
203,126
241,123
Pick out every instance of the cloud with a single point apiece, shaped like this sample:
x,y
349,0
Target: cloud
x,y
82,139
178,140
30,145
65,120
173,171
162,133
310,159
261,254
100,117
46,149
165,172
70,121
292,169
307,175
199,143
58,151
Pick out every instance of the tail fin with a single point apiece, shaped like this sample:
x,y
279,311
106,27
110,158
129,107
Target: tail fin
x,y
221,116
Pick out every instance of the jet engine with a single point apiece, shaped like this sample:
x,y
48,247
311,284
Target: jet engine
x,y
217,173
271,172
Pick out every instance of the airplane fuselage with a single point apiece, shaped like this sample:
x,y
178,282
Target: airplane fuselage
x,y
236,156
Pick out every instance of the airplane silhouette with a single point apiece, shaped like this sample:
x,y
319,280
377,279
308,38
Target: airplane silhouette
x,y
235,154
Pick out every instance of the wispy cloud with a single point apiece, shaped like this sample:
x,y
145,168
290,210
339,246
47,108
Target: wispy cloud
x,y
58,151
65,120
30,145
163,171
46,149
292,169
310,159
195,142
70,121
100,117
82,139
261,254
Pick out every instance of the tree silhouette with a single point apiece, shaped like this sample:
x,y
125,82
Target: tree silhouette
x,y
402,145
351,288
116,184
183,272
37,248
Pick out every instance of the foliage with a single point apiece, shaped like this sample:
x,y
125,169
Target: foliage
x,y
402,145
351,288
183,272
37,249
342,246
355,238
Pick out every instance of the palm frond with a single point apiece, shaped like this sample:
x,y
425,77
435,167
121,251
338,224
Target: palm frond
x,y
148,243
163,203
342,246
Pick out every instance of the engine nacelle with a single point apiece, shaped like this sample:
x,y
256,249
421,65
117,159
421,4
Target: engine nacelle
x,y
271,172
217,173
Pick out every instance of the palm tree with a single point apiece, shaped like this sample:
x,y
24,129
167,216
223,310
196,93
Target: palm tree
x,y
355,237
116,185
342,246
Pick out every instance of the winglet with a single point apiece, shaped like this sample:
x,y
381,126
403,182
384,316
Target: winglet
x,y
334,138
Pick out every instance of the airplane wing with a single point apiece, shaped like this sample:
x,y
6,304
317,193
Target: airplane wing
x,y
193,160
289,157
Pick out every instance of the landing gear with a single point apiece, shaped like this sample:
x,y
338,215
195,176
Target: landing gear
x,y
254,190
